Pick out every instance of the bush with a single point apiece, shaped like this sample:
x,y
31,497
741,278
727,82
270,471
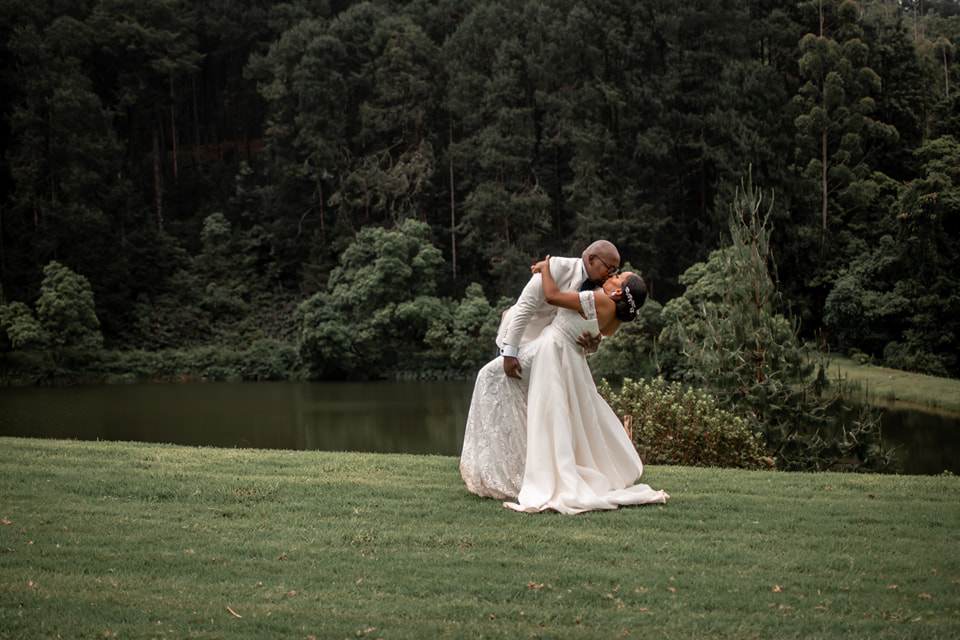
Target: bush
x,y
674,424
264,360
631,351
910,355
379,311
269,360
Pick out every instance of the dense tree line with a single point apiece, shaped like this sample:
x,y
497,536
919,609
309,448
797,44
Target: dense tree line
x,y
369,180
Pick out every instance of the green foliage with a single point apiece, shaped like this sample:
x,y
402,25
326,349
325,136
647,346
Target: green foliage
x,y
264,360
269,360
632,351
505,214
378,309
426,320
868,304
837,133
681,317
379,319
63,154
897,302
198,166
22,327
219,297
748,353
66,310
676,424
475,323
847,112
58,339
215,235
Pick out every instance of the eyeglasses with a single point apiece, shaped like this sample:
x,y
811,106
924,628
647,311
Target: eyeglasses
x,y
611,271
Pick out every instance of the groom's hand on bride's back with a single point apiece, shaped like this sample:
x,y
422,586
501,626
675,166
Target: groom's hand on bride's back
x,y
589,342
511,367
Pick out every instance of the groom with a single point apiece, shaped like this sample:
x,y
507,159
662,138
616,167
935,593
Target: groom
x,y
524,321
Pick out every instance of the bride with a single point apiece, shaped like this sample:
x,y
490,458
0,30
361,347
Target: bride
x,y
550,441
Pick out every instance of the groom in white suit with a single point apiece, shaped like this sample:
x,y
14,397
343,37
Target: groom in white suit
x,y
524,321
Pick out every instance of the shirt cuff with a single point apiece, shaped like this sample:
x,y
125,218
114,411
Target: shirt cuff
x,y
509,351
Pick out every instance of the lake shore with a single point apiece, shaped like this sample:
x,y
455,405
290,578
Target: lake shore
x,y
123,539
880,384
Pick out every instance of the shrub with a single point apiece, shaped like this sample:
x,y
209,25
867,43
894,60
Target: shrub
x,y
631,351
265,360
65,309
675,424
379,310
269,360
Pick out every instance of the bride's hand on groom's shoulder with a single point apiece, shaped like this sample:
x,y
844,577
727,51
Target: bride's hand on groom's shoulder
x,y
541,266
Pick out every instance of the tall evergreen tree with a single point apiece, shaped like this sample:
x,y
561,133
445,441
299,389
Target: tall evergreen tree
x,y
142,49
398,132
64,161
748,352
505,211
837,134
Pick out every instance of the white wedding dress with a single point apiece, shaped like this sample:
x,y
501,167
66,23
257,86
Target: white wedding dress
x,y
550,441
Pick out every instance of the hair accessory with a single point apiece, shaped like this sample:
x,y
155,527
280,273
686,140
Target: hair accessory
x,y
633,304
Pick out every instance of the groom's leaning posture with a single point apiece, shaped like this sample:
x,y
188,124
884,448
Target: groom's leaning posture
x,y
524,321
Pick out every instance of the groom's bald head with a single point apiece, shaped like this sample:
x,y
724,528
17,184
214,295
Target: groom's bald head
x,y
601,260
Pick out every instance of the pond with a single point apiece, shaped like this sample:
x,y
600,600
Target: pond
x,y
927,438
382,417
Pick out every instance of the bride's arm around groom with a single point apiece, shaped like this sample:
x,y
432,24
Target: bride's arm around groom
x,y
524,321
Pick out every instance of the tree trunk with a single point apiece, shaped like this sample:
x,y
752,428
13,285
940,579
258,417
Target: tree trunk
x,y
916,33
196,124
323,233
158,177
453,217
558,197
823,160
702,169
173,128
2,259
946,75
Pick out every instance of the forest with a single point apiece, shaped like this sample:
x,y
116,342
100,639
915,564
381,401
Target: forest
x,y
336,189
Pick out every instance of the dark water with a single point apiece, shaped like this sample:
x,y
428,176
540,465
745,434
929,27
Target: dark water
x,y
383,417
927,441
388,417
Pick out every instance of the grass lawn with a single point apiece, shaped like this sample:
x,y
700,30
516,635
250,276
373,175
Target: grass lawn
x,y
120,540
881,383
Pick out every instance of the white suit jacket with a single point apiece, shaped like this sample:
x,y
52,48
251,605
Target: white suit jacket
x,y
524,321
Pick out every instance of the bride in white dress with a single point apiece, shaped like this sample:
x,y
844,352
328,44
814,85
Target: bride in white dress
x,y
550,441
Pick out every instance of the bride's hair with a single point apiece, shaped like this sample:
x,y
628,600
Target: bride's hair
x,y
634,295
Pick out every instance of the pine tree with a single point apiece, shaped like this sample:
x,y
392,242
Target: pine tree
x,y
747,351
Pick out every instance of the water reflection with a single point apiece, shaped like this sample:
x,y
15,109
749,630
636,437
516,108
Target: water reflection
x,y
927,440
384,417
395,417
399,417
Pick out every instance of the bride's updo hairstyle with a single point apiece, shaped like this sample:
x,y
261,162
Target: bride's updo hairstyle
x,y
634,295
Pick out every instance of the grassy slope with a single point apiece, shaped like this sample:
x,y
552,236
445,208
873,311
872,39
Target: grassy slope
x,y
152,541
883,384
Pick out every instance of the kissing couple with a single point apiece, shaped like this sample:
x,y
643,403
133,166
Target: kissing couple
x,y
538,435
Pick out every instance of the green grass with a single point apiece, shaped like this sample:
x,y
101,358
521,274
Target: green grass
x,y
881,384
103,540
